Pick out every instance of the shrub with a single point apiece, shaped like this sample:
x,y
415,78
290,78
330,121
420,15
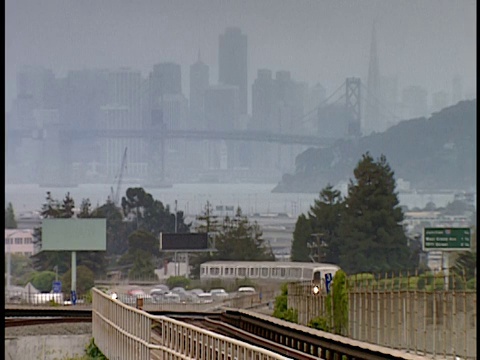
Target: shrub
x,y
93,352
320,323
178,281
281,310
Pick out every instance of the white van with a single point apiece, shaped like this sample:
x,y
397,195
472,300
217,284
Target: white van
x,y
244,290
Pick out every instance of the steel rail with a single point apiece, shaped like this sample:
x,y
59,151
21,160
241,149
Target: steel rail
x,y
44,321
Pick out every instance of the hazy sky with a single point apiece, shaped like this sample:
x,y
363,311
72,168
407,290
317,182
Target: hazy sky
x,y
423,42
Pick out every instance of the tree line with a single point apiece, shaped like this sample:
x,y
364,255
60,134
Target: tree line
x,y
132,238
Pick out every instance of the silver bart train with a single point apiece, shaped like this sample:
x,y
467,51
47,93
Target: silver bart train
x,y
267,271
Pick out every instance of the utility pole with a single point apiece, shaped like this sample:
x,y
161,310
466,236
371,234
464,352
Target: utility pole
x,y
176,263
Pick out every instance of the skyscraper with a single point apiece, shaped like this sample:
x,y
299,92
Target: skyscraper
x,y
166,78
199,82
124,112
232,62
262,100
221,114
372,116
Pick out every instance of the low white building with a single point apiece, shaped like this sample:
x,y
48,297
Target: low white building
x,y
19,241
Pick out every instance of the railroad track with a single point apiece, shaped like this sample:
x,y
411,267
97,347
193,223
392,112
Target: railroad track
x,y
10,322
292,340
217,325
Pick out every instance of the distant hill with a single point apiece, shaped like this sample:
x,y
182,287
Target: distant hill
x,y
438,153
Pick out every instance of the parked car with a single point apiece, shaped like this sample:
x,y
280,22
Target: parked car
x,y
244,290
171,297
161,287
197,291
158,291
205,298
219,294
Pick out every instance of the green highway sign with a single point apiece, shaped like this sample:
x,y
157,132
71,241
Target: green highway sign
x,y
444,239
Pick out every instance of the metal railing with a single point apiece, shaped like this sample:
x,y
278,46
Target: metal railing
x,y
42,299
124,332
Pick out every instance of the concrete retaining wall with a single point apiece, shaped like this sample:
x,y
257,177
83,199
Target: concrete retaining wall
x,y
46,347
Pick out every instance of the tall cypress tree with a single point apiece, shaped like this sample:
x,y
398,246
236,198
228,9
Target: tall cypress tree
x,y
325,217
301,237
372,235
10,222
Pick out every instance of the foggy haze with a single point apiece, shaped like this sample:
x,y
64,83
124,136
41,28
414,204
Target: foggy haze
x,y
424,42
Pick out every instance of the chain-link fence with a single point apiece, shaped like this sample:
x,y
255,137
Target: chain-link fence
x,y
428,314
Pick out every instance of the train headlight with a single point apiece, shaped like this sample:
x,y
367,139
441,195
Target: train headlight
x,y
114,296
316,290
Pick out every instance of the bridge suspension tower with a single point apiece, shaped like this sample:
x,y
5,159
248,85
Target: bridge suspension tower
x,y
352,104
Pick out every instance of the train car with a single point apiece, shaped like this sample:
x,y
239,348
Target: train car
x,y
267,271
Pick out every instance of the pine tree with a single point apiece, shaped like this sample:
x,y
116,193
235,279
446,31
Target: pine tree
x,y
47,260
10,222
53,209
301,237
208,223
238,239
370,228
325,217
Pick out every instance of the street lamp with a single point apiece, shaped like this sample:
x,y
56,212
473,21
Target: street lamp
x,y
9,255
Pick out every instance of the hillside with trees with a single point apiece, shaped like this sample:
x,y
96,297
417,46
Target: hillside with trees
x,y
438,153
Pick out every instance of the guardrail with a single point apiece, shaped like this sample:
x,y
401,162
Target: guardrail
x,y
124,332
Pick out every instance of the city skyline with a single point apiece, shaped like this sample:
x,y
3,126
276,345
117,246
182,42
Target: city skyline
x,y
424,39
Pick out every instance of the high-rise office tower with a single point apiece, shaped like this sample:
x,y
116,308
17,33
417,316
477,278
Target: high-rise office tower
x,y
82,93
124,112
372,116
199,82
125,89
37,83
221,114
35,90
232,62
166,78
262,100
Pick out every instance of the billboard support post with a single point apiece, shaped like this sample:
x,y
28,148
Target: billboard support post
x,y
74,273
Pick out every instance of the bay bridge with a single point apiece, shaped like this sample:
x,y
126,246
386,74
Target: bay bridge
x,y
348,97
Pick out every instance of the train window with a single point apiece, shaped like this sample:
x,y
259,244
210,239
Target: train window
x,y
203,270
241,271
275,272
283,271
264,272
254,272
317,276
214,271
295,273
307,274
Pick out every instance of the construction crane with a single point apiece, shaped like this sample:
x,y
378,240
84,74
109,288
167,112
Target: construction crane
x,y
115,195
